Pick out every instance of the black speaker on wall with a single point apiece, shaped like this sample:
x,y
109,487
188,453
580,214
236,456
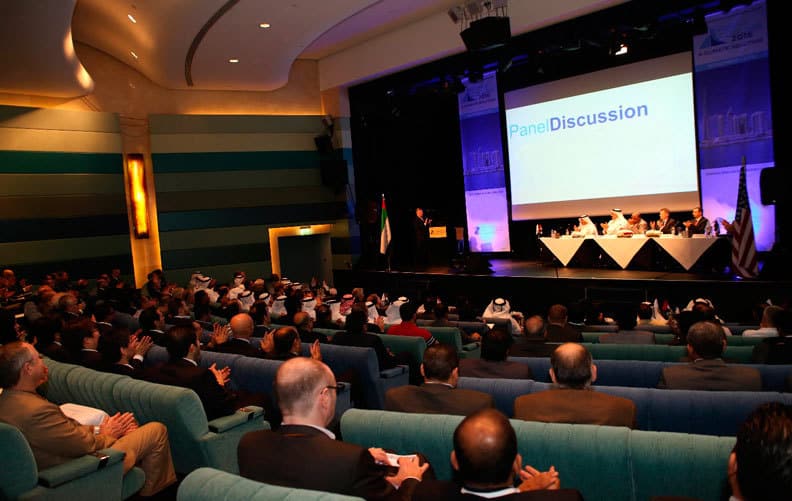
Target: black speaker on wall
x,y
334,172
773,184
487,33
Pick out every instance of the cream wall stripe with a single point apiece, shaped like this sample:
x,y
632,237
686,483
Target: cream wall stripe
x,y
61,184
212,237
59,141
53,119
230,124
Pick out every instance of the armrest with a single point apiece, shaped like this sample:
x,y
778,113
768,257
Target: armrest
x,y
242,415
79,467
470,346
393,372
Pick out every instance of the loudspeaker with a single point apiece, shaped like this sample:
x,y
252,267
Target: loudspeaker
x,y
487,33
773,183
324,145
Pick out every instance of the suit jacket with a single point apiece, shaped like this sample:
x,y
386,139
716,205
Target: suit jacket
x,y
311,336
309,459
478,367
433,490
698,228
530,346
366,340
216,400
576,406
566,334
239,347
711,375
133,369
435,398
91,359
53,437
668,227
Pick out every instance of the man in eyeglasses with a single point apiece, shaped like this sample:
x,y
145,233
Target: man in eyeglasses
x,y
304,453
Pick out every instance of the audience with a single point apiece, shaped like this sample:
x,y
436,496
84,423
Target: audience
x,y
558,330
55,438
407,326
572,399
776,349
486,462
707,370
308,455
760,466
493,364
767,326
438,394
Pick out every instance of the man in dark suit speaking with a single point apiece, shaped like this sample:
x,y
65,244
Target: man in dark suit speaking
x,y
421,225
304,453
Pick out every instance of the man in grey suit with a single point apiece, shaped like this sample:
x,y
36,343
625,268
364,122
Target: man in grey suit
x,y
707,371
438,394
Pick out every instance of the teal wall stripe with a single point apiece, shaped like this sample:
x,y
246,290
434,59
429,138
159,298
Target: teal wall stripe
x,y
76,268
22,230
39,185
229,124
240,160
275,215
234,180
44,162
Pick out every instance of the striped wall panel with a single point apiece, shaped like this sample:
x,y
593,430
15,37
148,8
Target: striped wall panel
x,y
62,202
223,181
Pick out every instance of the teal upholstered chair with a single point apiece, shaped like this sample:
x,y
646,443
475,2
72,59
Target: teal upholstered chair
x,y
83,478
209,484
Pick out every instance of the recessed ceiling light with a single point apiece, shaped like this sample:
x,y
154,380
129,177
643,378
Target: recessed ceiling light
x,y
132,18
234,60
264,25
133,54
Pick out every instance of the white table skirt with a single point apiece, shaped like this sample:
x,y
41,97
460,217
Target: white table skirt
x,y
686,251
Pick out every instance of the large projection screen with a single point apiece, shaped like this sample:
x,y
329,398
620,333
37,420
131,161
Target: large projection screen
x,y
623,137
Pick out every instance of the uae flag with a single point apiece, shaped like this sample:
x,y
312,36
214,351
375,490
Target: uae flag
x,y
385,232
744,261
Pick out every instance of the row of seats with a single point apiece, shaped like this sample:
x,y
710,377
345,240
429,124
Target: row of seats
x,y
647,373
717,413
666,338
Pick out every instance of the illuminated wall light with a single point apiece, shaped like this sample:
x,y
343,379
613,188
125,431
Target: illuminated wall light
x,y
136,175
264,25
132,18
623,49
233,61
133,54
305,230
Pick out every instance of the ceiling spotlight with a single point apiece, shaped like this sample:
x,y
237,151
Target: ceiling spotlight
x,y
133,54
621,50
264,25
132,18
233,61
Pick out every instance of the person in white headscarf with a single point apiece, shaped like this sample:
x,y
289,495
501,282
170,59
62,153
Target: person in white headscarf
x,y
586,226
617,222
238,285
203,283
373,314
246,300
335,311
392,315
309,306
500,308
278,309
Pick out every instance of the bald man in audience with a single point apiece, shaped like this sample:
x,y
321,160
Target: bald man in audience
x,y
558,329
487,463
236,337
572,399
304,453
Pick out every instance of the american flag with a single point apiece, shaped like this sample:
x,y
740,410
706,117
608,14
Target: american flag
x,y
744,261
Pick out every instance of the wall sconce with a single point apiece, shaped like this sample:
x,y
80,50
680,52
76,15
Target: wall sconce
x,y
305,230
136,176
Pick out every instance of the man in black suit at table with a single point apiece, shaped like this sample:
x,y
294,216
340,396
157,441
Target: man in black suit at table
x,y
487,463
304,453
697,225
665,224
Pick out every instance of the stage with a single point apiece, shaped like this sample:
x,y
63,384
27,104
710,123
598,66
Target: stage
x,y
533,285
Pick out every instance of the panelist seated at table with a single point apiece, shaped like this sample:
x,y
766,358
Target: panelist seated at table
x,y
698,225
616,223
637,224
665,224
586,226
